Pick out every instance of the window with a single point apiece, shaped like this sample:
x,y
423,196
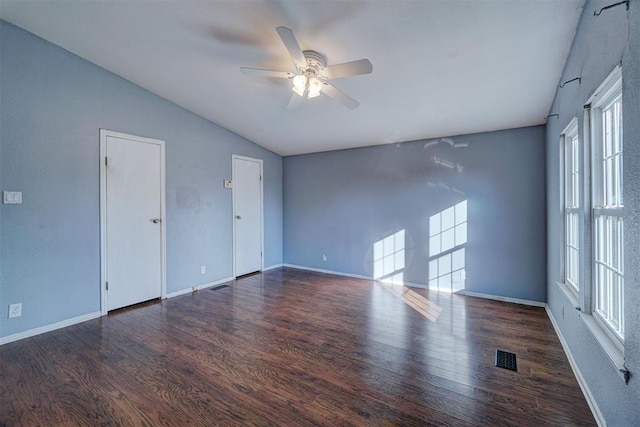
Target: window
x,y
572,224
607,205
593,217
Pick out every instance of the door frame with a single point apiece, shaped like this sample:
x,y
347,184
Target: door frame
x,y
235,157
103,212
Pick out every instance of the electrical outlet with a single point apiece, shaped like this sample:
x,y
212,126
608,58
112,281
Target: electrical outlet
x,y
15,310
203,269
324,257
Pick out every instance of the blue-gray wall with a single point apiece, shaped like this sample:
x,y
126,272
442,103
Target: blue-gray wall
x,y
599,45
52,106
339,203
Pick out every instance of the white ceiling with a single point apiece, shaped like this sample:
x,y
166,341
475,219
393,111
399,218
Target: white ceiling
x,y
440,67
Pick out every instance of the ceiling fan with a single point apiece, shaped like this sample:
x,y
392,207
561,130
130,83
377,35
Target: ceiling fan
x,y
311,74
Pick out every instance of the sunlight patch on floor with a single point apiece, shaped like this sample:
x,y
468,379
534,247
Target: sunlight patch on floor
x,y
419,303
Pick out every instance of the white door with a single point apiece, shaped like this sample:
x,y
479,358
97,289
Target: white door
x,y
133,232
247,214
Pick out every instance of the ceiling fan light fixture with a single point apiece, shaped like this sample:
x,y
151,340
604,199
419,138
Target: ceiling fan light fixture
x,y
298,90
300,82
315,87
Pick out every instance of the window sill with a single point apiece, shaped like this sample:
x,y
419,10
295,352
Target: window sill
x,y
570,293
616,356
613,352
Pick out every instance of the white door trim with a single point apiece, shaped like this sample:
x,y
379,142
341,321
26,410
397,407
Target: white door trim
x,y
103,212
233,207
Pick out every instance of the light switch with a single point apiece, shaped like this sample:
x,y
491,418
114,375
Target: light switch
x,y
12,197
228,183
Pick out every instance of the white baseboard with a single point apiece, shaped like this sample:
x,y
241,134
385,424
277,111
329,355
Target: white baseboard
x,y
272,267
49,328
198,287
595,410
94,315
416,285
320,270
504,299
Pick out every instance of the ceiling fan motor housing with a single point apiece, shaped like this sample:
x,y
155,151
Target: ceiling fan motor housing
x,y
315,63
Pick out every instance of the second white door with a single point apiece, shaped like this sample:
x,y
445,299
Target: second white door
x,y
247,214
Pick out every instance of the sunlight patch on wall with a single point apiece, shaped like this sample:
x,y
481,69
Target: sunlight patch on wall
x,y
447,235
446,273
389,258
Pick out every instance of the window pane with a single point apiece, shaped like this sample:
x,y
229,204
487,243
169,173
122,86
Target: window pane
x,y
600,288
572,250
609,277
617,166
621,244
615,303
606,133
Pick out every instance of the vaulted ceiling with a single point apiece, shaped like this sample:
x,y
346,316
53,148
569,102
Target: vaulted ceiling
x,y
440,67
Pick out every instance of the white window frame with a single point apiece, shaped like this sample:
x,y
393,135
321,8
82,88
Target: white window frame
x,y
607,211
592,207
572,217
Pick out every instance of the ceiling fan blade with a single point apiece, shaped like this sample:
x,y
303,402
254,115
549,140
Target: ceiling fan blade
x,y
295,101
338,95
266,73
353,68
290,42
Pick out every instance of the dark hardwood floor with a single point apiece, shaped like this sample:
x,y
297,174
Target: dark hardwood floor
x,y
295,348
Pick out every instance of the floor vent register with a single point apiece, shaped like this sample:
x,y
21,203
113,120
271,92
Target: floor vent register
x,y
506,360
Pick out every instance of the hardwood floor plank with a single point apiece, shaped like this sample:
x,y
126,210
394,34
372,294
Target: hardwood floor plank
x,y
290,347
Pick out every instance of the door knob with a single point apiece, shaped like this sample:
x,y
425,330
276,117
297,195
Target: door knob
x,y
238,217
156,220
